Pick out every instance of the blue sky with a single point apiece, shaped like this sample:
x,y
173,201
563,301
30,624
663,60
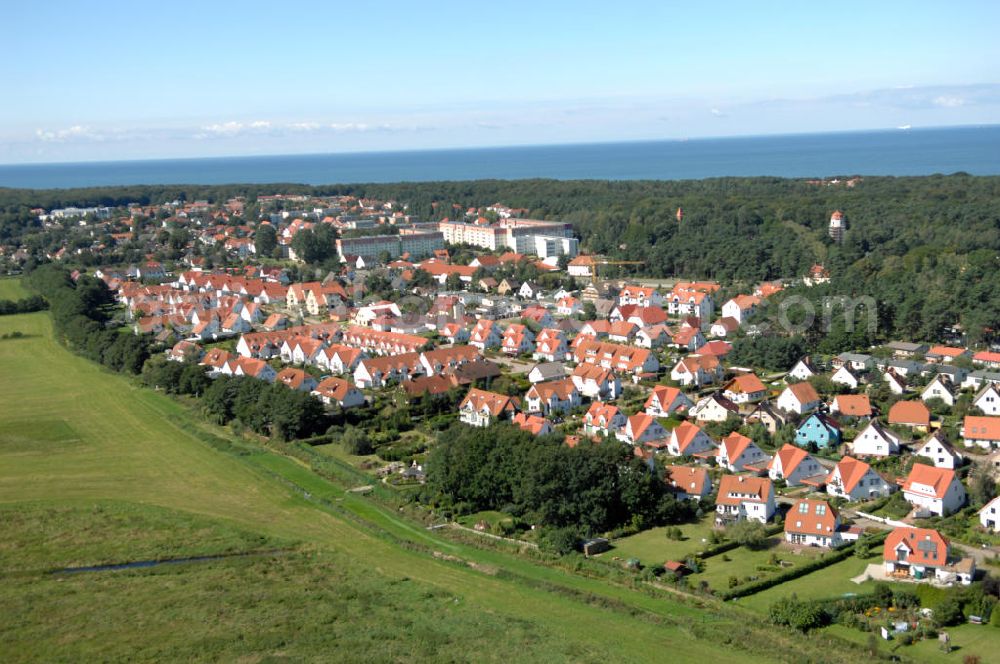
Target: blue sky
x,y
132,80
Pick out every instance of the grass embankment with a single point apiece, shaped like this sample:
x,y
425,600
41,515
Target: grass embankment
x,y
74,435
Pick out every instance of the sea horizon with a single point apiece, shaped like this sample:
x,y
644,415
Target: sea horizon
x,y
904,151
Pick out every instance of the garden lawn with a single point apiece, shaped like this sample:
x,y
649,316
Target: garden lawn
x,y
744,562
830,582
11,289
652,547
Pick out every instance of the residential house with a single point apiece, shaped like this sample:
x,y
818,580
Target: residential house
x,y
714,408
813,523
697,370
296,379
913,414
940,453
804,369
946,354
642,296
654,336
485,335
895,381
618,357
851,405
688,482
664,401
941,388
724,327
529,290
596,382
622,332
640,429
988,400
819,430
736,452
339,359
768,415
924,554
338,391
454,333
744,388
547,371
552,396
569,306
798,398
989,516
796,466
844,376
875,440
481,408
380,371
688,338
517,339
743,497
533,424
981,430
740,307
854,361
854,479
551,345
603,419
934,490
687,439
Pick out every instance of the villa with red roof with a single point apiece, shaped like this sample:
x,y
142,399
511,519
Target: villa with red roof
x,y
552,396
603,419
796,466
924,554
798,398
744,497
744,389
981,430
854,479
737,452
912,414
641,428
813,523
481,408
687,439
533,424
664,401
338,391
688,482
935,490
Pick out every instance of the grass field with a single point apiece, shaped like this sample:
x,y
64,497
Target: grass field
x,y
11,289
652,547
365,583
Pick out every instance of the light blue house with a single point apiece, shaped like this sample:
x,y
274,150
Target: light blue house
x,y
819,429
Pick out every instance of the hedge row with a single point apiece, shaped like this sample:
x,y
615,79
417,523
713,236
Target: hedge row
x,y
773,529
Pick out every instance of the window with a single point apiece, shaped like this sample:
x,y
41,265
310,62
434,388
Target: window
x,y
803,508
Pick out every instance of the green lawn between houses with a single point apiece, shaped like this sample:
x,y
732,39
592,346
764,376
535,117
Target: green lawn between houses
x,y
76,436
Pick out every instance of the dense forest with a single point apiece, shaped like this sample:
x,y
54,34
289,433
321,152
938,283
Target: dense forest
x,y
925,248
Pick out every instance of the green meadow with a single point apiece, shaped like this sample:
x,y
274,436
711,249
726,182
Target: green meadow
x,y
96,470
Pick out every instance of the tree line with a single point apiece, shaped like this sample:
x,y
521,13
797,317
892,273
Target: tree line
x,y
590,488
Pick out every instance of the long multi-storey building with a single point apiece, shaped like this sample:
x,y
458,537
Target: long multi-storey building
x,y
544,239
416,244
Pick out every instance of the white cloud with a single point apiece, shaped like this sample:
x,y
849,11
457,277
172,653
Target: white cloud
x,y
718,113
948,101
75,132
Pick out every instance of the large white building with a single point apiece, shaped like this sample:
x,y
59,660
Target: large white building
x,y
545,239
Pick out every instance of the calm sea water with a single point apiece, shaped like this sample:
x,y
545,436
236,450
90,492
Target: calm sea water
x,y
975,150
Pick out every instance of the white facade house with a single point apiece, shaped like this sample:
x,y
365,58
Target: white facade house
x,y
744,497
989,516
804,369
794,465
939,452
844,376
798,398
935,490
939,388
875,440
854,479
988,400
